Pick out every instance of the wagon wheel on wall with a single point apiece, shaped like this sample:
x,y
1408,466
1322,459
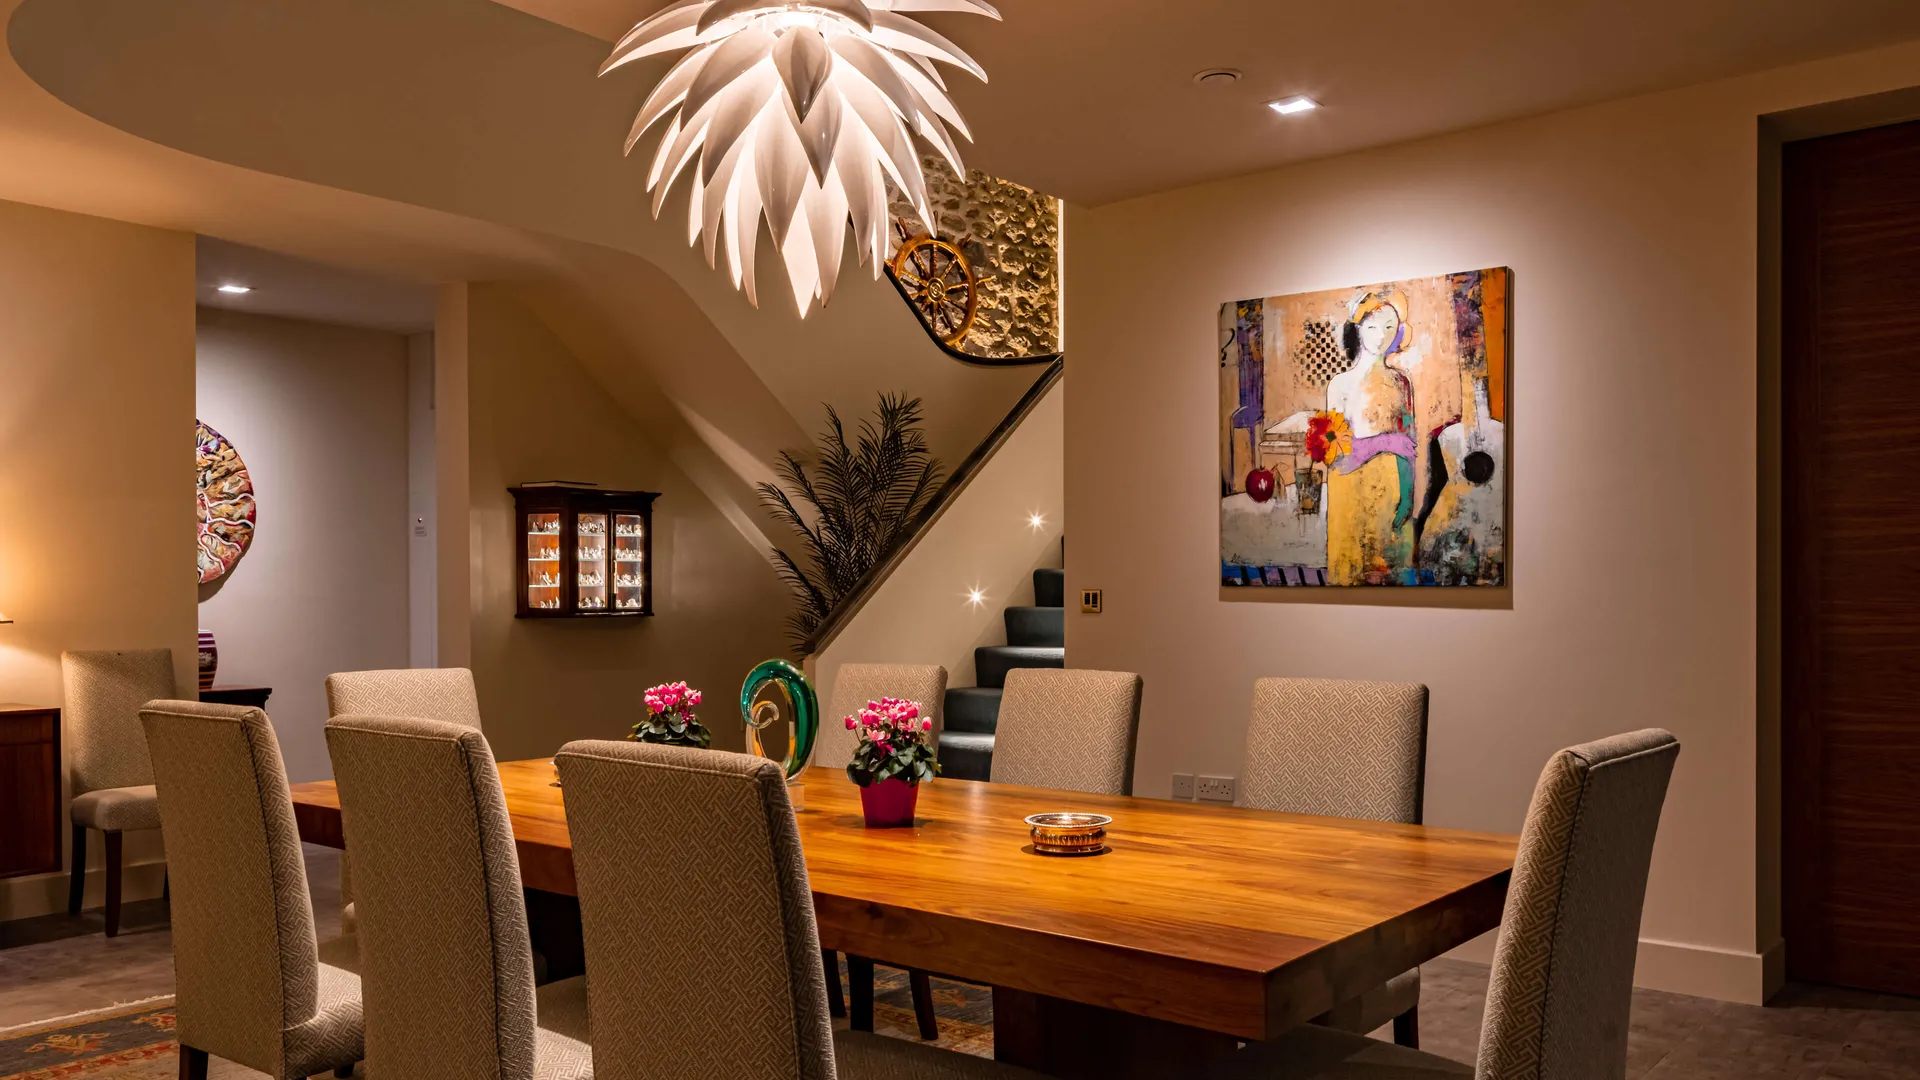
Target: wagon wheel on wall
x,y
939,284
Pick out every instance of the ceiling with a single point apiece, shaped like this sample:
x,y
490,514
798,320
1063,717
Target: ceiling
x,y
295,288
1094,100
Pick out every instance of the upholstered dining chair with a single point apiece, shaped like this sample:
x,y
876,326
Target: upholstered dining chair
x,y
1562,980
1072,730
708,841
447,959
445,694
853,686
249,983
1335,748
112,780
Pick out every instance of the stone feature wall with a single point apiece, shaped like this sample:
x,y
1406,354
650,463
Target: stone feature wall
x,y
1011,237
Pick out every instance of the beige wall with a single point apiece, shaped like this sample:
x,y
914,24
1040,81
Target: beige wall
x,y
96,467
1632,231
534,414
985,540
319,414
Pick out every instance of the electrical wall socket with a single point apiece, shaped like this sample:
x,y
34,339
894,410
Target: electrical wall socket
x,y
1215,789
1182,785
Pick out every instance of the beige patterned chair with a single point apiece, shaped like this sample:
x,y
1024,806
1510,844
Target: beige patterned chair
x,y
447,961
444,694
1563,970
1072,730
1334,748
112,780
710,838
853,686
250,986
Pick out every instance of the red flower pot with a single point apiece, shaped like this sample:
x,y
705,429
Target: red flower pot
x,y
889,803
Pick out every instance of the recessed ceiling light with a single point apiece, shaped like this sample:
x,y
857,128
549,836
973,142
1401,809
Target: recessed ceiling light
x,y
1215,78
236,289
1297,104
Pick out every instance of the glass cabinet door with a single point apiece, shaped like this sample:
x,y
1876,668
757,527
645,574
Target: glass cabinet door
x,y
543,562
590,562
629,562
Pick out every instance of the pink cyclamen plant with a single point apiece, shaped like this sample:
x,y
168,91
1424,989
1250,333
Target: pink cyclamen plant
x,y
896,742
670,719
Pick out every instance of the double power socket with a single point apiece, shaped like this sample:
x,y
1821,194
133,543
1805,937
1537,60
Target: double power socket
x,y
1205,788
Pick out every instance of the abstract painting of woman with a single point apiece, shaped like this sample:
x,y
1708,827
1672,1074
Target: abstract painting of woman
x,y
1370,502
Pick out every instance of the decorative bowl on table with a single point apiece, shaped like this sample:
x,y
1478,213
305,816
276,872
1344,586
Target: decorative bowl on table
x,y
1069,833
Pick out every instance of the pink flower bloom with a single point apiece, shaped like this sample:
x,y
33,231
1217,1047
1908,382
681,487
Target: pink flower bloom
x,y
926,725
849,723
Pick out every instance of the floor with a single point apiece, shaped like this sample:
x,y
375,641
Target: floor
x,y
57,965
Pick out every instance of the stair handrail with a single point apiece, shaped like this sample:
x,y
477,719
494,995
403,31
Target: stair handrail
x,y
955,352
957,482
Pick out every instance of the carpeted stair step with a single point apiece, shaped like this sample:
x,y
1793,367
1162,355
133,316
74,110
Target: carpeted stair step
x,y
1050,588
972,708
966,755
992,662
1044,626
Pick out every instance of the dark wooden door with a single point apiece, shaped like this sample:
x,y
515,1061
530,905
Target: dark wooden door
x,y
1851,559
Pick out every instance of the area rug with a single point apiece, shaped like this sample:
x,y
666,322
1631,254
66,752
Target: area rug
x,y
964,1011
133,1041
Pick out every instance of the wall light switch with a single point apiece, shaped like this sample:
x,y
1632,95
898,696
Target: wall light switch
x,y
1182,785
1091,601
1216,789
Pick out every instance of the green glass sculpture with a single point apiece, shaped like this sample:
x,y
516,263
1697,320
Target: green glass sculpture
x,y
763,712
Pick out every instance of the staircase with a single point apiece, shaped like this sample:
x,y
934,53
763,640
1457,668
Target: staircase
x,y
1036,638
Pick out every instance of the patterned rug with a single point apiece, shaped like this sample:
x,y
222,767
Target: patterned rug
x,y
965,1011
126,1042
135,1041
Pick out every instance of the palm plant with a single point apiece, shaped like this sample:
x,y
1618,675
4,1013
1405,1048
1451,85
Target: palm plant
x,y
860,501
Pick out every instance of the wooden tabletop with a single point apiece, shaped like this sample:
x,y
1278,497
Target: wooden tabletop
x,y
1236,921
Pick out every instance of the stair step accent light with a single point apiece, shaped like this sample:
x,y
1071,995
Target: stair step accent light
x,y
1036,638
802,111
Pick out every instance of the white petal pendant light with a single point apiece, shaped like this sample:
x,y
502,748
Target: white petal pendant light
x,y
803,111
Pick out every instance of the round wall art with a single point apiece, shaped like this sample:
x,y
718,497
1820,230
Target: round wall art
x,y
225,504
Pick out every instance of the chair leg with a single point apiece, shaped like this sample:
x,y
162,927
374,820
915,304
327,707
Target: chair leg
x,y
859,993
193,1063
77,889
923,1003
113,884
836,1004
1406,1028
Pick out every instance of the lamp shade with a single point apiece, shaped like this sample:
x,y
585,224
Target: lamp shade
x,y
801,112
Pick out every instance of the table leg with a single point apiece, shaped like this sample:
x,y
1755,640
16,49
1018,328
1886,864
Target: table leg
x,y
1086,1042
553,922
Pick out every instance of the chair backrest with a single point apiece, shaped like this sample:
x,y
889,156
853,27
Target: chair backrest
x,y
694,903
1337,749
1072,729
444,694
104,692
1562,977
245,959
446,961
856,684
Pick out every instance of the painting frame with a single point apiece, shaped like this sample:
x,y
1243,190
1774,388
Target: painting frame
x,y
1365,436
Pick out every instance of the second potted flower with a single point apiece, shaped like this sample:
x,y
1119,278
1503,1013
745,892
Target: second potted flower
x,y
894,756
670,720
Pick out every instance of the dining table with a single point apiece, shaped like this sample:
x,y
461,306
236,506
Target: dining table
x,y
1200,928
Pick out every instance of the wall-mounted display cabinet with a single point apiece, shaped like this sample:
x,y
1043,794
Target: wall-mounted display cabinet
x,y
584,552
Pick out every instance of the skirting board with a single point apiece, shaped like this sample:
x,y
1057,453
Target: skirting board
x,y
45,894
1695,970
